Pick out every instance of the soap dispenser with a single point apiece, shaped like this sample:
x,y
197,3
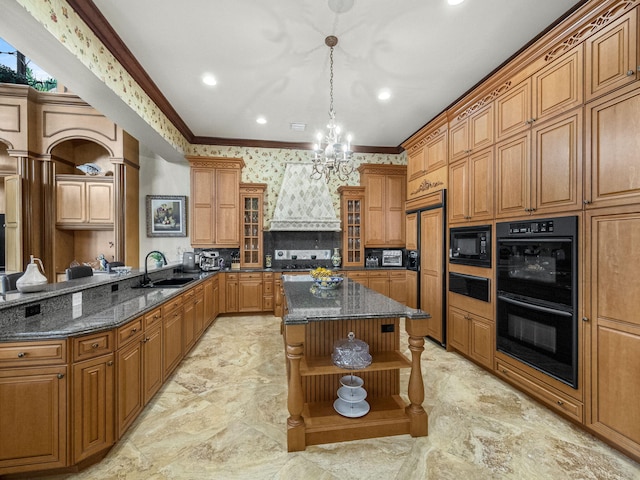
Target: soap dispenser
x,y
32,280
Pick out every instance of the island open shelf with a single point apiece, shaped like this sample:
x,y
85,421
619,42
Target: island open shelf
x,y
311,328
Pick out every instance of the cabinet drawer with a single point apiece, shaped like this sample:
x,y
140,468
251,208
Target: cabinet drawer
x,y
189,296
378,274
171,305
557,402
152,318
267,288
231,276
399,275
251,276
267,276
128,332
41,353
92,345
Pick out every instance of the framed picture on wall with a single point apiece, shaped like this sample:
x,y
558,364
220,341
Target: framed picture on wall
x,y
166,216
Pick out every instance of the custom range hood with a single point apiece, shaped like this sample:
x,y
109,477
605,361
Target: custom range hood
x,y
304,204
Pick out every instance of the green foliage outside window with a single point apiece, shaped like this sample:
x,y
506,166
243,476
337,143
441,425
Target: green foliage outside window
x,y
7,75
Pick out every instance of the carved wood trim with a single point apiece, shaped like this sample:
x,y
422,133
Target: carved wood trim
x,y
427,185
599,22
490,97
435,134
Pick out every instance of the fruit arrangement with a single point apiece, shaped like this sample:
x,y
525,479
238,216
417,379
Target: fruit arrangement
x,y
321,272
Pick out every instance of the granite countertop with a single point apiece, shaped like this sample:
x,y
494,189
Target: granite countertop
x,y
350,300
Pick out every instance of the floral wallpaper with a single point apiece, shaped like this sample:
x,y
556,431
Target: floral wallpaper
x,y
263,165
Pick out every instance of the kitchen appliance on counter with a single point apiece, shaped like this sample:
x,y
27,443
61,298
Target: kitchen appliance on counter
x,y
190,262
537,283
210,261
392,258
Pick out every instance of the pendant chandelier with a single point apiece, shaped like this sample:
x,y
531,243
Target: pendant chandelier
x,y
331,156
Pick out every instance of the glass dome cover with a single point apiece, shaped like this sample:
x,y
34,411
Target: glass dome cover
x,y
351,353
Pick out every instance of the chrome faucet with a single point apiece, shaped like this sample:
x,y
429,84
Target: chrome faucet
x,y
145,279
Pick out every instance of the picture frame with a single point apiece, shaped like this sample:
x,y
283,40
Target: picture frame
x,y
166,216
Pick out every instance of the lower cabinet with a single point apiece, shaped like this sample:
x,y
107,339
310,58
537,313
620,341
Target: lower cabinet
x,y
390,283
33,420
250,296
93,406
267,292
129,384
471,335
231,292
152,354
171,336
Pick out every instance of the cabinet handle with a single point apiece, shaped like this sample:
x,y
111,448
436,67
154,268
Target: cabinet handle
x,y
95,345
133,330
586,202
505,371
21,354
109,363
630,73
146,340
560,402
60,376
585,319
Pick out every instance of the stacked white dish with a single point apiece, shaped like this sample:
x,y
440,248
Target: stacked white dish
x,y
351,397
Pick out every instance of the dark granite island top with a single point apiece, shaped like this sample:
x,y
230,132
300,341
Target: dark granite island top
x,y
351,300
314,321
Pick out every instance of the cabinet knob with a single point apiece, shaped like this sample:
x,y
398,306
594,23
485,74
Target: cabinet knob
x,y
109,363
586,202
505,371
60,376
146,340
630,73
560,402
95,345
585,319
21,354
133,330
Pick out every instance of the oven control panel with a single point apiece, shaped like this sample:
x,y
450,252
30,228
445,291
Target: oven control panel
x,y
545,226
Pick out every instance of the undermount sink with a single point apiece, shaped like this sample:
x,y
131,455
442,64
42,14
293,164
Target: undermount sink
x,y
173,282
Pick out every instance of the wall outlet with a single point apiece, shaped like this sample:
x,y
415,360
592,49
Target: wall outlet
x,y
76,299
32,310
388,327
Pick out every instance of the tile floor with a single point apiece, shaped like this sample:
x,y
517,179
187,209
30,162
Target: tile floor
x,y
223,416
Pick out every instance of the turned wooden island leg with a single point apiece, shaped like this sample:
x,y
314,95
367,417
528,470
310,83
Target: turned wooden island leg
x,y
415,411
295,400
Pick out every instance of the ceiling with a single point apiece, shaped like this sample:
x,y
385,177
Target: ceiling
x,y
270,59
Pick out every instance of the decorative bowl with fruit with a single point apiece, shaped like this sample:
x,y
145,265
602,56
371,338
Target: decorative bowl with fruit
x,y
326,279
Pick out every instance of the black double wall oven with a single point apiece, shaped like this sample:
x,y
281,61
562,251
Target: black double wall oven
x,y
537,295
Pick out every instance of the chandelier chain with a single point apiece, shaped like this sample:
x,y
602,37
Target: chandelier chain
x,y
331,112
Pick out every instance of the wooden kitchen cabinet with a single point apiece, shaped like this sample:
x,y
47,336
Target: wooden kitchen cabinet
x,y
129,383
189,314
612,326
471,335
471,188
470,133
84,202
612,56
361,277
385,196
352,210
171,336
251,241
214,204
231,292
612,153
33,395
379,281
93,406
210,292
152,354
432,270
267,291
431,154
411,231
250,290
398,286
545,177
412,289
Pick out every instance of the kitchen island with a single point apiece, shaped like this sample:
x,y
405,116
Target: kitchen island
x,y
314,320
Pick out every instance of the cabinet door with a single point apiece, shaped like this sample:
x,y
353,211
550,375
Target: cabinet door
x,y
481,129
557,167
250,293
612,306
612,56
458,330
459,140
129,386
559,86
482,340
70,202
481,185
208,299
398,286
216,298
231,293
199,312
227,213
513,110
352,210
34,418
379,282
152,361
375,219
93,402
172,340
513,177
99,202
412,289
411,231
432,270
202,206
459,192
612,155
188,323
395,198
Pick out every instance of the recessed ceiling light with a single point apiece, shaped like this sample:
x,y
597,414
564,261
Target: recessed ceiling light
x,y
455,2
298,127
261,120
209,79
384,94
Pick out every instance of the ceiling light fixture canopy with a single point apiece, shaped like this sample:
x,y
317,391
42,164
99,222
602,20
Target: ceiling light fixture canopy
x,y
331,156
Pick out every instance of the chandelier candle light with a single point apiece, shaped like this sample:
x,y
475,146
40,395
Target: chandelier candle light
x,y
331,155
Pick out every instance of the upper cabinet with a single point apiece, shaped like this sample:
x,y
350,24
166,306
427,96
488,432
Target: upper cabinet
x,y
251,246
215,198
84,202
352,209
470,132
612,56
385,196
471,188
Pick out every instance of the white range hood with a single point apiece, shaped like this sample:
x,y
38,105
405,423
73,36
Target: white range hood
x,y
304,204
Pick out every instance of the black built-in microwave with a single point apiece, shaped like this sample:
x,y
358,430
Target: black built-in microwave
x,y
470,245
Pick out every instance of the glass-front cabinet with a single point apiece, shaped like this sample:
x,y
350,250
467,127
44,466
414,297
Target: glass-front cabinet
x,y
352,209
251,242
